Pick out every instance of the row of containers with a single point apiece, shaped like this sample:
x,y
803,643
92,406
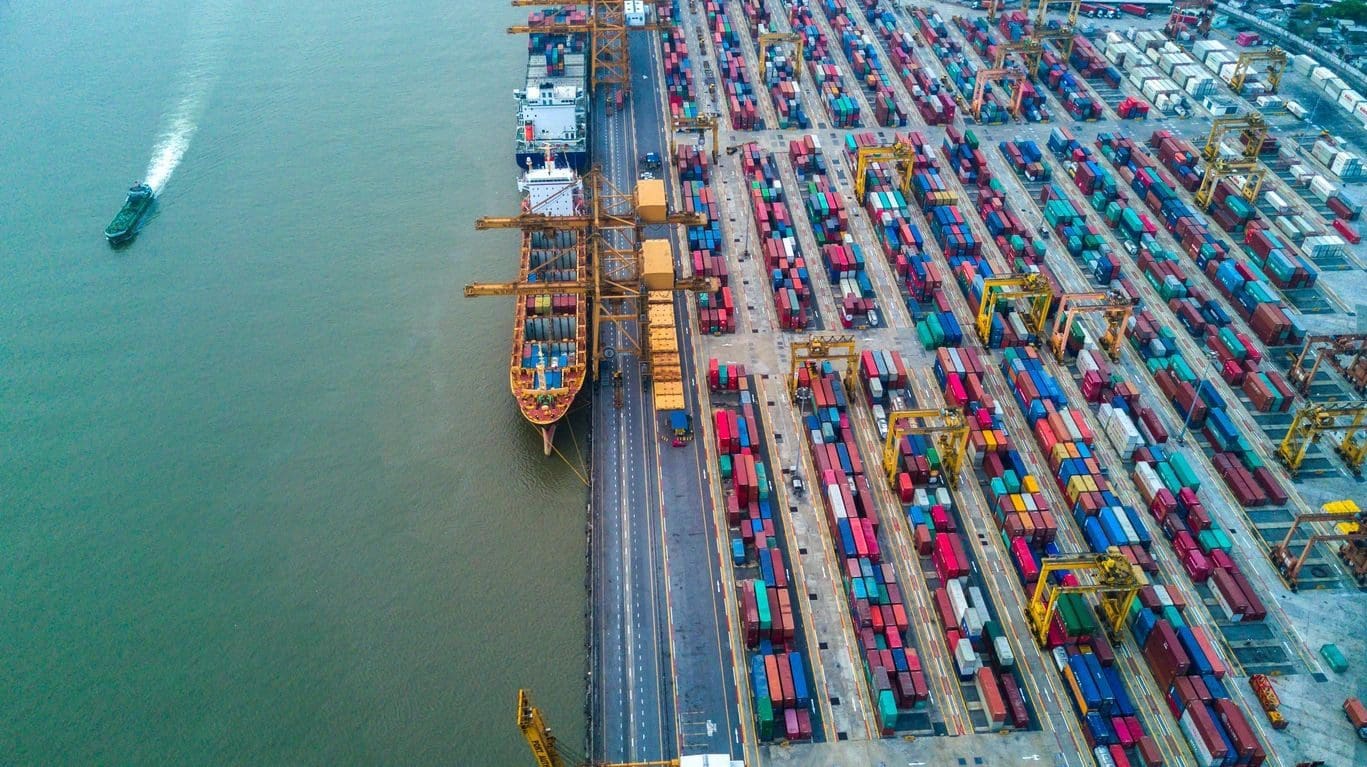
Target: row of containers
x,y
900,239
842,258
716,309
780,678
555,45
960,69
707,243
732,71
1203,317
1193,397
971,626
861,51
1084,486
1288,267
1072,91
781,72
842,108
1180,654
680,82
784,263
935,105
1029,534
888,655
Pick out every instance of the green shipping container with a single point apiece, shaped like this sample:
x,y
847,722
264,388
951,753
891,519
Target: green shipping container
x,y
1174,616
887,710
971,139
764,714
1334,657
724,465
762,479
1182,469
766,620
1169,477
1214,538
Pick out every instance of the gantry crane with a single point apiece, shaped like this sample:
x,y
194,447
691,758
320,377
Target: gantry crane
x,y
902,156
1066,31
1180,8
1029,49
839,348
1274,57
547,749
1114,307
770,38
1350,527
985,76
946,426
606,26
1313,420
1251,186
1355,370
1114,583
699,124
1252,126
1029,287
613,225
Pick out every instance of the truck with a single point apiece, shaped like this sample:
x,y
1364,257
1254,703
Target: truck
x,y
651,161
1135,10
1357,715
1268,698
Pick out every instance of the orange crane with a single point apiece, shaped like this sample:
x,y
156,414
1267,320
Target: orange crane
x,y
1116,309
985,76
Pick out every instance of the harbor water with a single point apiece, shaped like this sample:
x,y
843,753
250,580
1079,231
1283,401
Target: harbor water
x,y
266,498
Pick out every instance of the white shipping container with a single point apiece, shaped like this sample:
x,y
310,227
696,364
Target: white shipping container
x,y
966,659
975,598
1147,480
1350,99
1296,110
1322,188
1332,88
837,502
958,602
1198,746
1203,47
1003,651
1275,200
942,498
1303,65
1319,74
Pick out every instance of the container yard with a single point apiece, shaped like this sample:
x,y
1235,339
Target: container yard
x,y
1022,408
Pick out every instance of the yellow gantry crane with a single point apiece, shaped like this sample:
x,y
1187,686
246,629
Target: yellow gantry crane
x,y
699,124
1252,126
986,76
1030,50
1250,187
902,157
606,26
1027,287
1113,581
613,277
1114,307
1274,57
1313,420
946,426
1350,527
767,39
840,348
547,750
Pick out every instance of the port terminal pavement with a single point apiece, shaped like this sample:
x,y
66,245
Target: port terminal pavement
x,y
650,540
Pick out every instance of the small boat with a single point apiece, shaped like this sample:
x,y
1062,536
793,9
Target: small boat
x,y
125,225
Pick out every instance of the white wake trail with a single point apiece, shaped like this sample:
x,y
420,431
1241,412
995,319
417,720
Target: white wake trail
x,y
204,52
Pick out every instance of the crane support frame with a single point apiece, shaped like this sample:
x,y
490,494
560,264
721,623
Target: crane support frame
x,y
815,348
1030,287
902,157
1115,585
769,38
1351,528
1311,421
946,426
1116,310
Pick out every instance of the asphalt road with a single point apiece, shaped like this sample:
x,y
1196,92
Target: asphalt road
x,y
662,668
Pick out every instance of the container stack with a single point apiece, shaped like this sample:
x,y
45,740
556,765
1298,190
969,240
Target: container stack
x,y
936,106
706,244
861,51
1091,64
959,68
781,80
981,37
900,238
841,256
778,244
841,107
971,631
1014,240
732,70
780,680
553,45
891,664
680,87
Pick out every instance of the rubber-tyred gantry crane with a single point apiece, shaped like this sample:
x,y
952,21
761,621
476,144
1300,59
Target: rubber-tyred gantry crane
x,y
1313,420
985,76
1274,57
606,26
1113,581
1026,287
1201,9
945,426
1115,308
770,38
902,157
1350,527
699,124
816,348
1353,345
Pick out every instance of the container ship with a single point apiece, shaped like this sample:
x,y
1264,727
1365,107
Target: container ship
x,y
553,106
549,329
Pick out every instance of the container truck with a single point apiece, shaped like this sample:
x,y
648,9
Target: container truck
x,y
1357,715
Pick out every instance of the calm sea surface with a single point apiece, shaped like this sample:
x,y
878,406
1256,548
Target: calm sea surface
x,y
264,497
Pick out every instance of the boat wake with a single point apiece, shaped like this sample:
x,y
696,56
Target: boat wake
x,y
204,55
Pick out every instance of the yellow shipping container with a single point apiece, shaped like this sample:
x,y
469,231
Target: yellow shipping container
x,y
650,200
657,265
1030,484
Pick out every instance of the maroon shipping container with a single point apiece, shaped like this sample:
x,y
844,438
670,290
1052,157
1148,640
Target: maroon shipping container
x,y
1149,753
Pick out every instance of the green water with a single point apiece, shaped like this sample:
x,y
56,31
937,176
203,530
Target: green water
x,y
264,497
